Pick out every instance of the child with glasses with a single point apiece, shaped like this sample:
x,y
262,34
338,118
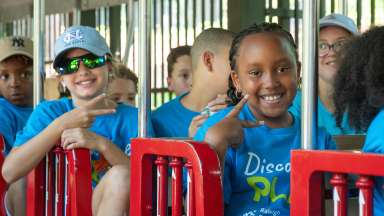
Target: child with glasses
x,y
359,92
88,120
335,31
16,89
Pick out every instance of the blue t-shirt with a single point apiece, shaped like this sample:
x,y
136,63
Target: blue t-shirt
x,y
257,173
118,127
374,142
13,119
172,119
325,119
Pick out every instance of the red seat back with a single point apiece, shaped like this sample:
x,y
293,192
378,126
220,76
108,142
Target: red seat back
x,y
3,184
307,167
61,184
204,193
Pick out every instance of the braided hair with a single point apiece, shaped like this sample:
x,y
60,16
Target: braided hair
x,y
239,37
359,83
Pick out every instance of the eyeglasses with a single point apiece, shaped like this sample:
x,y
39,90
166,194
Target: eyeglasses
x,y
324,48
71,65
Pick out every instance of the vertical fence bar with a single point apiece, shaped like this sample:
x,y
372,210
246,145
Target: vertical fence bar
x,y
177,190
365,184
373,12
155,50
340,191
358,8
162,185
332,6
194,18
178,21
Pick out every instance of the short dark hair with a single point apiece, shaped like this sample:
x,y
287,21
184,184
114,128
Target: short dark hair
x,y
175,54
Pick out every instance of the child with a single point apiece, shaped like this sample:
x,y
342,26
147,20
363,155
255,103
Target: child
x,y
210,77
335,31
16,88
253,139
179,70
88,120
359,91
123,85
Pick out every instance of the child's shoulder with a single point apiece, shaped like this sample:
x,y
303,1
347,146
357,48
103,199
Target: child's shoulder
x,y
167,107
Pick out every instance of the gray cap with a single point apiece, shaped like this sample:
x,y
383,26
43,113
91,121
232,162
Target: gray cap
x,y
15,45
83,37
339,20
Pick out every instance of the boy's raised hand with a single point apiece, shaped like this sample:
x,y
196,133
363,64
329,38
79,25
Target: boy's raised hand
x,y
83,117
219,103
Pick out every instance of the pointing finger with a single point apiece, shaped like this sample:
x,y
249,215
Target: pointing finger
x,y
236,110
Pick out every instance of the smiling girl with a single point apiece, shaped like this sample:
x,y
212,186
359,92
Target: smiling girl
x,y
88,120
253,139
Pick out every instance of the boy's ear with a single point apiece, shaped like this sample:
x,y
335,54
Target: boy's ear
x,y
170,84
207,58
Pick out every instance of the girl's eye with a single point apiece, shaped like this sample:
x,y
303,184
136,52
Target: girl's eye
x,y
255,73
282,69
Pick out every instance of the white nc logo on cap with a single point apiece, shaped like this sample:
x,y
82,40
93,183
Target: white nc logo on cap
x,y
73,36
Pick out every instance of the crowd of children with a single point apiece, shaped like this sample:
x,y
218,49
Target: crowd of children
x,y
237,92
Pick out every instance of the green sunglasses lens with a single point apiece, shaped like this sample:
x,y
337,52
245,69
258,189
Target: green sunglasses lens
x,y
73,65
93,61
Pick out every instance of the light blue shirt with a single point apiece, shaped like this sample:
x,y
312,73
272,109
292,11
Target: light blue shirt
x,y
172,119
13,119
374,142
325,119
257,173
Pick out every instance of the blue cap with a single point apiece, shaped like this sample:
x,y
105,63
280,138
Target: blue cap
x,y
83,37
341,21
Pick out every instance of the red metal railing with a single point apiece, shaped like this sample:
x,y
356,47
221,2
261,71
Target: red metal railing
x,y
3,184
306,182
204,193
61,184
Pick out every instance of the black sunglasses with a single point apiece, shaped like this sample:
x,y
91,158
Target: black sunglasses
x,y
71,65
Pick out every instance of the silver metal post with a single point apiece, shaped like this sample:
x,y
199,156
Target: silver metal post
x,y
144,66
38,49
309,85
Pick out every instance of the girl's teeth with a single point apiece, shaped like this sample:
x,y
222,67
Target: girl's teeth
x,y
271,98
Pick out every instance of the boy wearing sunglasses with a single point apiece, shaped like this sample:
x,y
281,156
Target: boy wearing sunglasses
x,y
88,120
16,89
335,31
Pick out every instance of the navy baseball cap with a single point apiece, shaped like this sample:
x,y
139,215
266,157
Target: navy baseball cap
x,y
341,21
83,37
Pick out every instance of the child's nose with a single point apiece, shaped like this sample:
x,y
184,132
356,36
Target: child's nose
x,y
270,80
83,69
14,81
